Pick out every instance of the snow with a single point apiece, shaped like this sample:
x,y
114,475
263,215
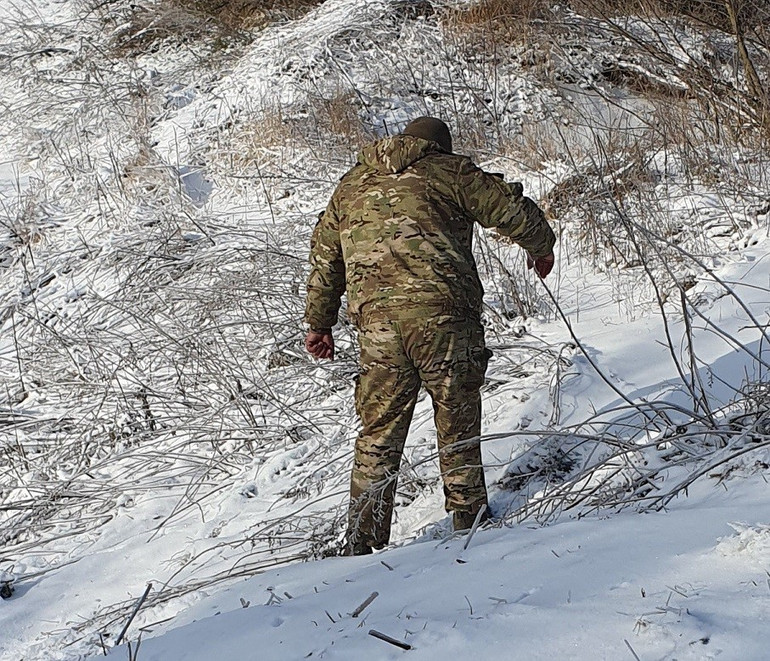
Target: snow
x,y
682,585
160,422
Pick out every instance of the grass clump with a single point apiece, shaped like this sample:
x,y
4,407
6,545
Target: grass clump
x,y
139,28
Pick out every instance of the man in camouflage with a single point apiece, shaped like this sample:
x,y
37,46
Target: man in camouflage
x,y
396,238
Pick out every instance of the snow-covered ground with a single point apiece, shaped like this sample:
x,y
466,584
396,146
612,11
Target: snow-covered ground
x,y
687,584
161,424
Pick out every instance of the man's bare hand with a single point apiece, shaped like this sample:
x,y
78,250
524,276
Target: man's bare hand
x,y
543,265
320,345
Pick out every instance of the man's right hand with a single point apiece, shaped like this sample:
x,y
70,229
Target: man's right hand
x,y
320,344
543,265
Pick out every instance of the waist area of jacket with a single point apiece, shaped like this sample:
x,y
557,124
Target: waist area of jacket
x,y
413,308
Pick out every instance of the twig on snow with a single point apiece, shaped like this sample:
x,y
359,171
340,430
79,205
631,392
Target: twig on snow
x,y
388,639
133,614
475,525
365,603
631,649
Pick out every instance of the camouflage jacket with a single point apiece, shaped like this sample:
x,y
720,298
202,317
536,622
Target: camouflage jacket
x,y
397,233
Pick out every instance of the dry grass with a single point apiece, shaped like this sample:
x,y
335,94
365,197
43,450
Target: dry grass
x,y
338,116
488,28
504,19
488,24
754,14
745,21
221,23
538,144
247,14
331,124
250,140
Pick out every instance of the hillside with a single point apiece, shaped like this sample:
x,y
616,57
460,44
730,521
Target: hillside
x,y
162,167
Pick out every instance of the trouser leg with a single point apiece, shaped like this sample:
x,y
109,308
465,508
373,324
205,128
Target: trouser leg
x,y
452,359
386,394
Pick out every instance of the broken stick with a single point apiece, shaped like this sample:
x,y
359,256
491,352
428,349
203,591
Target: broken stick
x,y
388,639
133,615
368,601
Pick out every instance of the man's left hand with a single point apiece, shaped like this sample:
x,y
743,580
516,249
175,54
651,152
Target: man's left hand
x,y
543,265
320,344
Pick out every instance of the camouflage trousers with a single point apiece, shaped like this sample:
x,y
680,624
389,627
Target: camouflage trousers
x,y
448,356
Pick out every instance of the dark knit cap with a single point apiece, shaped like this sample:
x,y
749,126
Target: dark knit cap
x,y
430,128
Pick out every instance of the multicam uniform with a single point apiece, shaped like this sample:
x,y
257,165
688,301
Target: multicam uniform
x,y
396,237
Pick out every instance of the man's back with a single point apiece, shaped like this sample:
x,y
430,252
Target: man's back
x,y
406,240
399,228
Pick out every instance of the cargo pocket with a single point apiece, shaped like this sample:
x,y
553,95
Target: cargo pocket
x,y
479,356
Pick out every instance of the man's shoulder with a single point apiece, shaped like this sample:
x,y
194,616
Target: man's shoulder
x,y
439,167
353,176
442,167
351,179
447,160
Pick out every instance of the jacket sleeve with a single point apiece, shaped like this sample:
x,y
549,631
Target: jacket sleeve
x,y
492,202
326,282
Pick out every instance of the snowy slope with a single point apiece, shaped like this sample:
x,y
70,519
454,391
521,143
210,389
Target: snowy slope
x,y
160,422
682,585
